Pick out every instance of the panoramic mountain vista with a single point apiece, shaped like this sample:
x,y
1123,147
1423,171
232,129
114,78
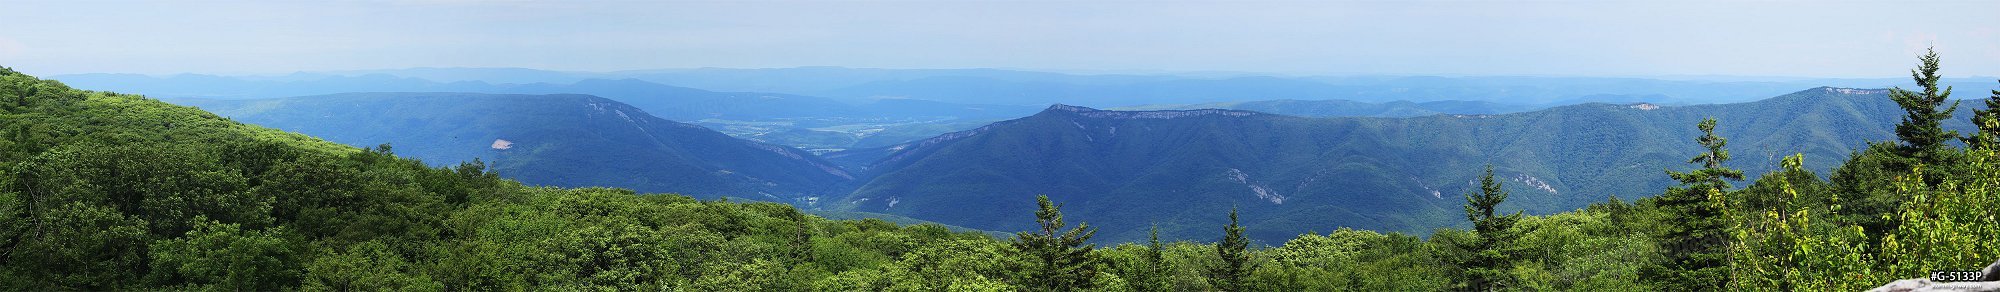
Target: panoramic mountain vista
x,y
1289,175
265,192
993,146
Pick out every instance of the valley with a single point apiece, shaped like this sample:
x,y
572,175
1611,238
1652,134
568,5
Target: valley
x,y
1289,174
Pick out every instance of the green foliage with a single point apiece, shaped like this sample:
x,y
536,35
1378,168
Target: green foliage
x,y
1787,244
1317,263
957,265
1235,264
1947,226
1492,254
1863,177
366,266
1871,178
1694,243
220,256
1921,130
1580,251
1059,259
78,246
1149,272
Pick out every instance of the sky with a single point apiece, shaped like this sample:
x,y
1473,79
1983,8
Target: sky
x,y
1841,39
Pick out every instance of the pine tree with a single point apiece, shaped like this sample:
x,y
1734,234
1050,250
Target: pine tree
x,y
1923,137
1060,259
1921,144
1234,251
802,237
1694,242
1486,270
1153,277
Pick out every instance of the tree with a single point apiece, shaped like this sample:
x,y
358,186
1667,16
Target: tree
x,y
1153,276
1235,266
79,246
800,250
1783,245
951,265
1059,260
1921,144
1486,269
369,265
222,256
1923,137
1694,241
1949,225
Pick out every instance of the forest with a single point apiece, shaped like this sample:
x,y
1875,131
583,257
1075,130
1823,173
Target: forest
x,y
106,191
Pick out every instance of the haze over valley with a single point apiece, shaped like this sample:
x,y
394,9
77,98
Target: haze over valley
x,y
1000,146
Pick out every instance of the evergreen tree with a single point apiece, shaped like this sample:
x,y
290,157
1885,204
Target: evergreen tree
x,y
800,250
1694,241
1923,137
1235,254
1486,269
1921,143
1059,259
1153,277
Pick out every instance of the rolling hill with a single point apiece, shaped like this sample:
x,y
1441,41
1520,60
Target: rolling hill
x,y
562,140
672,102
666,101
1348,108
1182,169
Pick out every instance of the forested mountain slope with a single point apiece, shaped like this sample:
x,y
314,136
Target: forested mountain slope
x,y
558,140
1132,169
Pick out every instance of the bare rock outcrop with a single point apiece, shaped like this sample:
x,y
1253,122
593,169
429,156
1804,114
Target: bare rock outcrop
x,y
1989,281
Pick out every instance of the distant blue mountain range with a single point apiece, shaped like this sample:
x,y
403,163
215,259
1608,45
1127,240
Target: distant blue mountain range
x,y
1015,87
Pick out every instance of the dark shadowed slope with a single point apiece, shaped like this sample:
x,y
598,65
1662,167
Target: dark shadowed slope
x,y
562,140
1124,171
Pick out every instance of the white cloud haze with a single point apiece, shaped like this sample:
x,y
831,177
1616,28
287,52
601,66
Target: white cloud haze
x,y
1623,38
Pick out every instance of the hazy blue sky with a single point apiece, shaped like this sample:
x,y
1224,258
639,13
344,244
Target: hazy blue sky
x,y
1624,38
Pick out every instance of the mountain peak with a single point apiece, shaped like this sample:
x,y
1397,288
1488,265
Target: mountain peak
x,y
1070,108
1843,90
1152,114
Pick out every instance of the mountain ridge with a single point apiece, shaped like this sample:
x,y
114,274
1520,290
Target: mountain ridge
x,y
1392,174
568,140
